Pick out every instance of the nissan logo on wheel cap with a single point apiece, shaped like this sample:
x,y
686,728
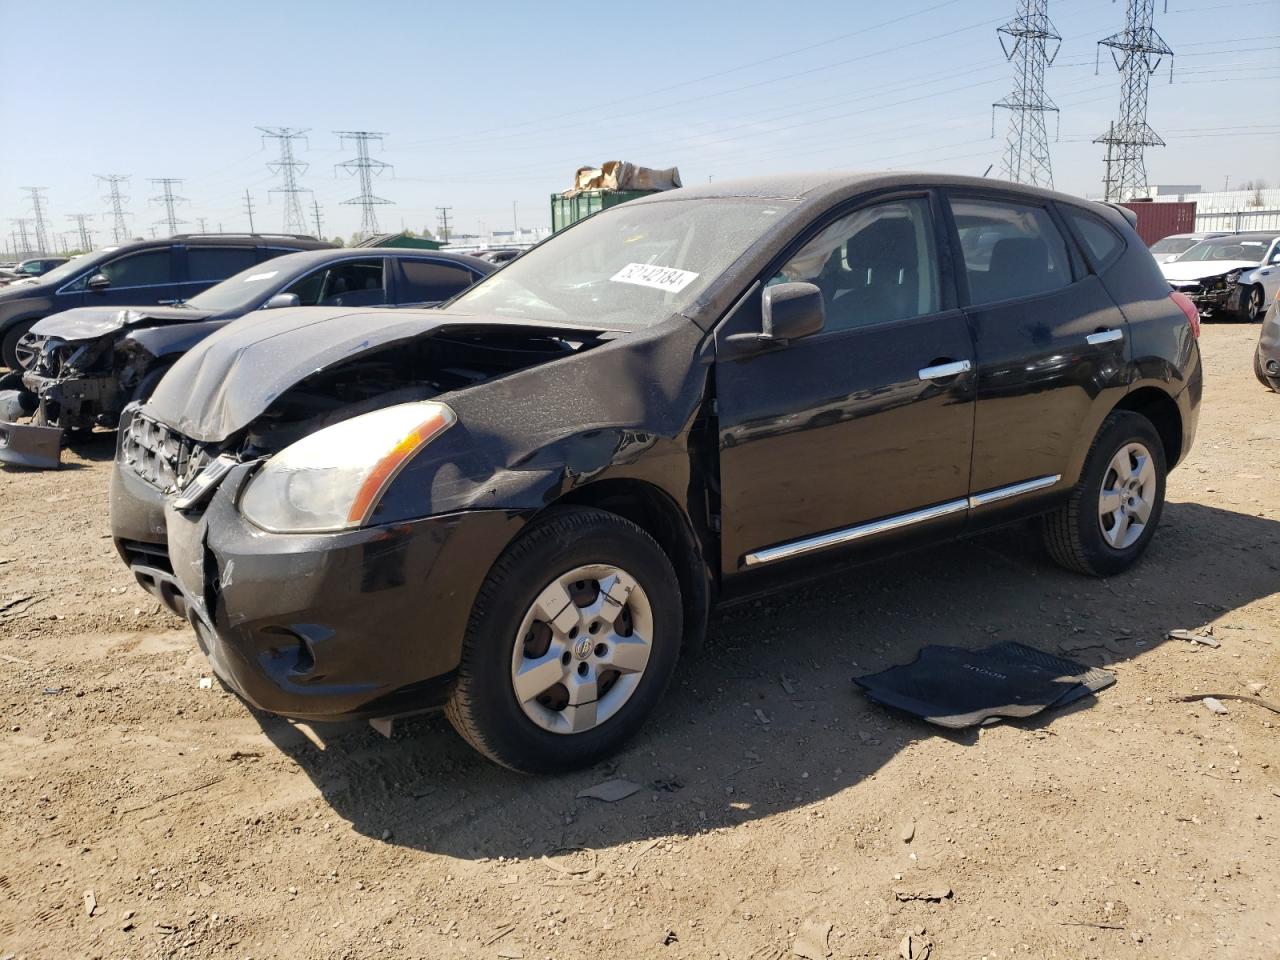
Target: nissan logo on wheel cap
x,y
582,649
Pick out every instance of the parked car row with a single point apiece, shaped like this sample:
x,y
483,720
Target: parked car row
x,y
78,368
1224,274
523,505
28,269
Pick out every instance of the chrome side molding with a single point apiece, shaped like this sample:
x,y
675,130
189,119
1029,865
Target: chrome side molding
x,y
835,538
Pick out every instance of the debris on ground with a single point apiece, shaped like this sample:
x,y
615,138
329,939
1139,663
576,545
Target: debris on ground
x,y
935,893
907,832
1217,698
609,791
811,941
90,903
915,947
1204,637
955,687
206,683
1214,705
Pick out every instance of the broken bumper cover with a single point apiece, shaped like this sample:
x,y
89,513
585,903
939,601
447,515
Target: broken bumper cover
x,y
365,623
28,445
1208,296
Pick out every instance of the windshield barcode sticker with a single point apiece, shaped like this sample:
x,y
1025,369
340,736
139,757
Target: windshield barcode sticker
x,y
650,275
260,276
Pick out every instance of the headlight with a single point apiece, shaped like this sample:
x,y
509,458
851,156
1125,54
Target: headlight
x,y
334,478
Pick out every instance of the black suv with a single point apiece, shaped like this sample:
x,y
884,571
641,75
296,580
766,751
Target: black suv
x,y
144,272
80,367
522,506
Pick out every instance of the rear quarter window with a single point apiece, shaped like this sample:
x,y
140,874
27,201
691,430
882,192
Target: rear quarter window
x,y
1101,242
218,263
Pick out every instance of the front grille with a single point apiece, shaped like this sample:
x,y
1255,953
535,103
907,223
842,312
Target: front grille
x,y
154,555
161,456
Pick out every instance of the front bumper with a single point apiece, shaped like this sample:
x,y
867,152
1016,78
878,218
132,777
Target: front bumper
x,y
1208,297
28,445
366,623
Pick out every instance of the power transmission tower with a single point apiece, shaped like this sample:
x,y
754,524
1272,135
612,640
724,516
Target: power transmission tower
x,y
170,201
1136,51
37,216
119,231
21,223
366,168
289,170
248,208
1030,42
443,222
315,206
86,242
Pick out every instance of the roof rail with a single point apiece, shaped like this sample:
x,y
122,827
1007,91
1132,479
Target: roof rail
x,y
271,236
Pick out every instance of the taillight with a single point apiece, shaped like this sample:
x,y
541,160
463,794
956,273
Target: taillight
x,y
1189,308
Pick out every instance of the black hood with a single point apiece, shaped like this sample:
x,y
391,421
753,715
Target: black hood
x,y
226,381
89,323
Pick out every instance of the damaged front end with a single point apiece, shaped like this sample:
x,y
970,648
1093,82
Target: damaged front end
x,y
65,386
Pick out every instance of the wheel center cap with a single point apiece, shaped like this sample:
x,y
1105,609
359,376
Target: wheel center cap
x,y
582,648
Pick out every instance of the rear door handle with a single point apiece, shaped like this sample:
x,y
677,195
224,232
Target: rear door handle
x,y
944,370
1105,336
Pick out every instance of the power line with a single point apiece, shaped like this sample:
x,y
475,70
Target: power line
x,y
119,231
1137,52
366,168
37,218
86,242
1032,43
289,170
170,202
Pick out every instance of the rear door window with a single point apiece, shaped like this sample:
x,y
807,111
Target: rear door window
x,y
1010,250
218,263
1103,243
430,281
147,268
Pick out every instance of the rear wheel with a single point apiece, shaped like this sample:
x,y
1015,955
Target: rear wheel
x,y
572,642
1115,508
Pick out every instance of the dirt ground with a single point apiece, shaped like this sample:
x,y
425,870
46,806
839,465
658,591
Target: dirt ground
x,y
777,802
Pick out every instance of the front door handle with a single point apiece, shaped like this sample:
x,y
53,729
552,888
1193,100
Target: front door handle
x,y
943,370
1104,336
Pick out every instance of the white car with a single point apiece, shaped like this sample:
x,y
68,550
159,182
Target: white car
x,y
1238,273
1172,247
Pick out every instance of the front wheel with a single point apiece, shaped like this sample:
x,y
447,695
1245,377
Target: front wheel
x,y
572,642
1254,305
1115,507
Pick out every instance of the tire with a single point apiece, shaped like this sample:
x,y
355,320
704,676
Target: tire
x,y
9,345
505,635
1259,371
1077,535
1255,305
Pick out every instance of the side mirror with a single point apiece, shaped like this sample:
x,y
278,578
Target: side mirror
x,y
791,311
99,281
283,300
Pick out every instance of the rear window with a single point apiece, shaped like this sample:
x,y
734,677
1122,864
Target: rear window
x,y
1103,243
218,263
1011,250
427,281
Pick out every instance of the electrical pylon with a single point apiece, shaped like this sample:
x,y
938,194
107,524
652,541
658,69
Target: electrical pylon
x,y
366,168
37,218
86,242
1137,52
170,201
1030,42
21,223
289,170
119,231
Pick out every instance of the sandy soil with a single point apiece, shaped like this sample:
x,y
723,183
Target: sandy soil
x,y
776,802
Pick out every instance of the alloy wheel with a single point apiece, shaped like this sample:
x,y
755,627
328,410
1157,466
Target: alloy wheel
x,y
1127,496
582,648
1253,309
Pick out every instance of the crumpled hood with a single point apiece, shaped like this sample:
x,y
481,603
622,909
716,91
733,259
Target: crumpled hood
x,y
1199,269
89,323
226,381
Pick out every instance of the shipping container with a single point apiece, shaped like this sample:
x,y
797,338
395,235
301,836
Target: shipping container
x,y
567,210
1159,220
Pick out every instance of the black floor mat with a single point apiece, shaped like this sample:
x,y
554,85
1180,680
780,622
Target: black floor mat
x,y
954,687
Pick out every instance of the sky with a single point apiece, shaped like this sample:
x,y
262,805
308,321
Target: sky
x,y
490,107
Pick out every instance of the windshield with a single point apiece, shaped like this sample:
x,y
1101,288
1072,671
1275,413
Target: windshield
x,y
1228,248
630,266
1173,244
243,291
